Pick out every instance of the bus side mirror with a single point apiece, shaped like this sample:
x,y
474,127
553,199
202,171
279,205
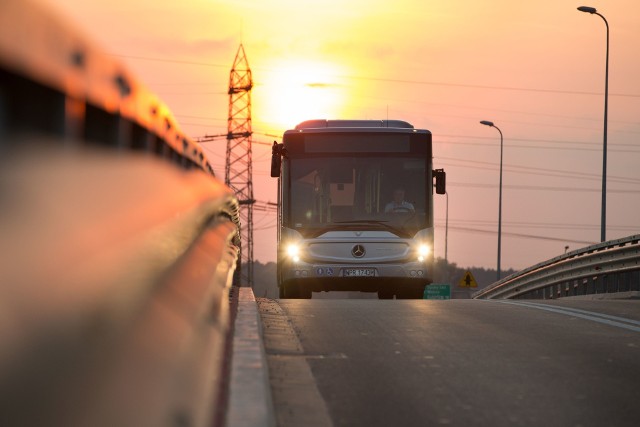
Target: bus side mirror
x,y
441,178
276,159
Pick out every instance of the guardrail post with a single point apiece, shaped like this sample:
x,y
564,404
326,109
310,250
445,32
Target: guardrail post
x,y
626,281
100,126
3,116
141,140
124,137
612,282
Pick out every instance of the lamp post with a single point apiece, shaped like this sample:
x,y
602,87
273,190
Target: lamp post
x,y
603,218
490,124
446,231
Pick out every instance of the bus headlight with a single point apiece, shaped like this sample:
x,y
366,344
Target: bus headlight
x,y
423,252
293,251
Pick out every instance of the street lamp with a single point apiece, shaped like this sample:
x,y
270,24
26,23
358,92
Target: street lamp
x,y
446,231
603,218
490,124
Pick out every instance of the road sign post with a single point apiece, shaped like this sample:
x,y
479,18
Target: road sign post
x,y
438,291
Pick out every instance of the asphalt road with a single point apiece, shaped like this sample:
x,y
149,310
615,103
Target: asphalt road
x,y
460,362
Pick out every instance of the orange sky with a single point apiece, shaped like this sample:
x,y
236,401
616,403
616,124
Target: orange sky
x,y
538,73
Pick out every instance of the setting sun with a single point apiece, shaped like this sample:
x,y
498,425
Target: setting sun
x,y
291,92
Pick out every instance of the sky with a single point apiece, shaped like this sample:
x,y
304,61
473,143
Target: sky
x,y
535,69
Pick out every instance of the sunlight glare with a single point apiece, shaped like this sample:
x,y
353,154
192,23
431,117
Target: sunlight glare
x,y
296,91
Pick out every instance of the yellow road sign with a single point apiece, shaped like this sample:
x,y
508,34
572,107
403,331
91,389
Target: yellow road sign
x,y
467,281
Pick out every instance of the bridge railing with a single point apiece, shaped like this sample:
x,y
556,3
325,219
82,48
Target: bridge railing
x,y
58,83
608,267
117,243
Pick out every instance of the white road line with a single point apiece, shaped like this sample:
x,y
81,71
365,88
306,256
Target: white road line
x,y
582,314
592,313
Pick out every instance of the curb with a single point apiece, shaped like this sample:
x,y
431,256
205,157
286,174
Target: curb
x,y
250,403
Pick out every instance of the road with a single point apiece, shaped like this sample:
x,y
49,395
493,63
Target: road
x,y
460,362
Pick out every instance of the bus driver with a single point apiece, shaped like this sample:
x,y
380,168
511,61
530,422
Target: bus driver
x,y
399,205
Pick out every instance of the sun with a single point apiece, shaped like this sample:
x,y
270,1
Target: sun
x,y
291,92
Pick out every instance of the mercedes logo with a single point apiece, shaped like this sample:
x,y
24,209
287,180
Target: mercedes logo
x,y
358,251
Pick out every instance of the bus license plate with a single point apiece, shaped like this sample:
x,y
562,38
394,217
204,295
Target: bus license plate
x,y
359,272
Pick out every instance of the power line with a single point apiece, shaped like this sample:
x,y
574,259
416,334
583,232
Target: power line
x,y
536,124
199,93
203,125
268,227
536,225
493,110
550,141
201,117
539,171
399,81
443,135
506,88
539,147
170,60
548,174
519,235
540,188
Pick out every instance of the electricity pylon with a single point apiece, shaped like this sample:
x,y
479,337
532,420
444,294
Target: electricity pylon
x,y
238,173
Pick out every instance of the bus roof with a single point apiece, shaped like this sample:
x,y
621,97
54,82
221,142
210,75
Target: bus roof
x,y
315,124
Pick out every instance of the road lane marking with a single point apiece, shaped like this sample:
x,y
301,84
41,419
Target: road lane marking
x,y
582,314
605,316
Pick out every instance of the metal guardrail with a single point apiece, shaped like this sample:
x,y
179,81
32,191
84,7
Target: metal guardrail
x,y
118,244
56,82
113,295
608,267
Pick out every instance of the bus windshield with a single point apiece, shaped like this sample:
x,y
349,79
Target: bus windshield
x,y
387,192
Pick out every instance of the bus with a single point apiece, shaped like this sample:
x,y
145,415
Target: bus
x,y
355,208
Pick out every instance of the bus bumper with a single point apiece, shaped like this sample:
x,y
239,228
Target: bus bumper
x,y
383,278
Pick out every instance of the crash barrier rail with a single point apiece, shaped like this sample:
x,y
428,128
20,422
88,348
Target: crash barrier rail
x,y
117,246
603,268
57,83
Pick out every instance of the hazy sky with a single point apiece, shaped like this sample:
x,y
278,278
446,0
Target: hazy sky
x,y
536,69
